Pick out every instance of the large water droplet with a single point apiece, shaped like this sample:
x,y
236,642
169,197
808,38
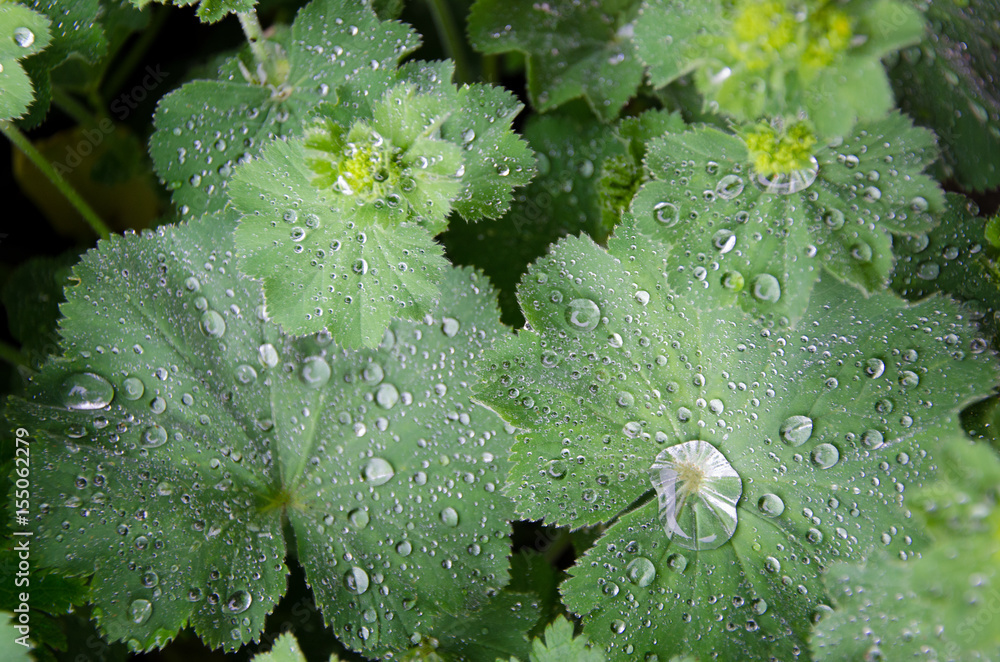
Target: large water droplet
x,y
356,580
729,187
155,435
766,288
85,390
212,324
387,396
641,571
583,314
874,368
697,490
133,388
140,610
359,518
796,430
315,371
791,182
449,516
825,456
771,505
667,213
378,471
239,602
24,37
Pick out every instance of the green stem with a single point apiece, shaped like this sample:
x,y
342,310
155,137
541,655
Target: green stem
x,y
491,69
12,355
254,33
126,64
75,109
453,41
21,141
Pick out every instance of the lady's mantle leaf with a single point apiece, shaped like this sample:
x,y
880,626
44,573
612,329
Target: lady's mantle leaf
x,y
23,32
180,428
799,444
941,604
574,49
337,48
738,235
958,258
209,11
559,645
949,83
779,57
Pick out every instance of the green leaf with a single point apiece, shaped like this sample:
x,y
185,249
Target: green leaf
x,y
811,436
941,602
781,58
574,49
180,429
31,297
10,648
737,239
955,258
23,32
208,11
286,649
948,83
336,49
74,34
561,200
322,268
559,645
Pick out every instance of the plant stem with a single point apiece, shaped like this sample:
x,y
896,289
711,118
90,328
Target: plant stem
x,y
254,33
452,38
126,64
11,355
21,141
72,106
491,69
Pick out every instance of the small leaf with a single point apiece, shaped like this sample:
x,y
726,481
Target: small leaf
x,y
23,32
180,429
559,645
574,49
208,11
11,647
286,649
31,297
947,83
780,58
337,48
683,426
763,240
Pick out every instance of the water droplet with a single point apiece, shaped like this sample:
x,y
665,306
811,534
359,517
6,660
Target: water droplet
x,y
724,241
245,374
733,281
404,548
356,580
583,314
928,270
449,516
378,471
771,505
140,610
155,435
449,326
212,324
641,571
132,388
387,396
766,288
667,213
677,562
729,187
268,355
834,219
315,371
360,267
772,564
825,456
24,37
359,518
796,430
874,368
85,391
239,602
642,296
791,182
908,379
697,490
872,439
861,252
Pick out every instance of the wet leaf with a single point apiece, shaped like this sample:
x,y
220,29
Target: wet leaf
x,y
940,603
573,49
208,11
739,236
180,428
780,58
948,83
681,425
31,296
23,32
337,50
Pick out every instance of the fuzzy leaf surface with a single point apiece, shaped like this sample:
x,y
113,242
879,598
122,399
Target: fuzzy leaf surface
x,y
337,49
616,368
949,83
573,49
731,236
180,427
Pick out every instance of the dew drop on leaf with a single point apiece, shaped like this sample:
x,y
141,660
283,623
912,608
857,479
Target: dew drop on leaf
x,y
697,490
378,471
796,430
315,371
212,324
155,435
874,368
825,456
86,391
449,516
356,580
641,571
771,505
766,288
239,602
387,396
359,518
140,610
583,314
132,388
667,213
